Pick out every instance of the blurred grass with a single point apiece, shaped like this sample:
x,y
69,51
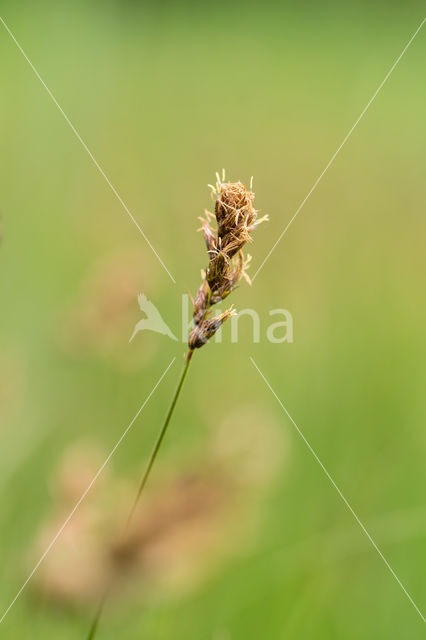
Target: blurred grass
x,y
165,96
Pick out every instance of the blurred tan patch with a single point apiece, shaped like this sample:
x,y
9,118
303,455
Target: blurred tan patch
x,y
193,515
102,315
76,568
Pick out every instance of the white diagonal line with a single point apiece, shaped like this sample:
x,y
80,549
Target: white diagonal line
x,y
84,494
340,492
95,162
345,139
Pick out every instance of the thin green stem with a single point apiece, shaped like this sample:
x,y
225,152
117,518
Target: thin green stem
x,y
95,623
154,453
160,438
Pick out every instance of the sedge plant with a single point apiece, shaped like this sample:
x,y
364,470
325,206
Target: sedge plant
x,y
235,218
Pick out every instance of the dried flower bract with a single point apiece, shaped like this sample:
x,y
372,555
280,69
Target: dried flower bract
x,y
236,217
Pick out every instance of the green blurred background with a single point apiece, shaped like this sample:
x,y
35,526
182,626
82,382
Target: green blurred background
x,y
165,95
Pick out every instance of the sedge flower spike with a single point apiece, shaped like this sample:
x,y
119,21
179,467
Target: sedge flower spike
x,y
236,217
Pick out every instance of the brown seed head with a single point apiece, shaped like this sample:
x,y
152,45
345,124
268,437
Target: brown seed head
x,y
236,217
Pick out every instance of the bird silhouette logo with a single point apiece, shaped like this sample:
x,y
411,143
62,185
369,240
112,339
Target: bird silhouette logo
x,y
153,320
